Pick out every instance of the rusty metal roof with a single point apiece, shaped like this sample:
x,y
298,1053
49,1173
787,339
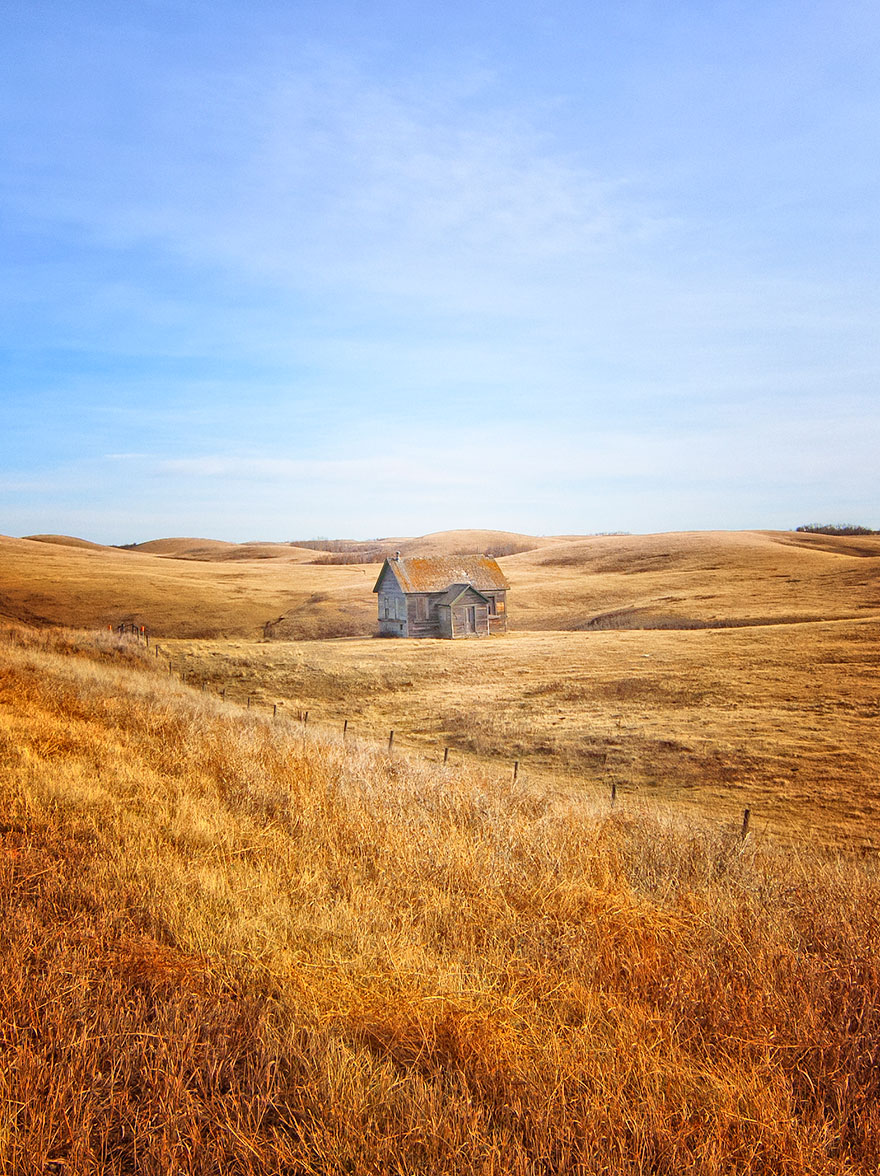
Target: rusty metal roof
x,y
437,573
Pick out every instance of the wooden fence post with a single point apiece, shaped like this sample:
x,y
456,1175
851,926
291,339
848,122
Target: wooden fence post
x,y
390,742
747,816
249,702
446,755
515,770
345,729
274,709
613,793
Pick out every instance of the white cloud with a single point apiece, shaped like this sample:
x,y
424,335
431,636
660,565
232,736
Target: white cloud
x,y
314,175
317,282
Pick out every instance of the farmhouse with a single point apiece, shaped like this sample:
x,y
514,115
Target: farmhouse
x,y
450,596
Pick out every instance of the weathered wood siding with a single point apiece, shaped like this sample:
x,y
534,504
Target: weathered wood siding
x,y
459,611
498,618
422,615
469,616
392,608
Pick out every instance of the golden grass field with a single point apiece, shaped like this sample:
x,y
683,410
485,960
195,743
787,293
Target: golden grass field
x,y
230,945
714,720
204,588
715,671
232,942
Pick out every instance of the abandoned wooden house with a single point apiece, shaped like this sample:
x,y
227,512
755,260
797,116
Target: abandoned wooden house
x,y
447,596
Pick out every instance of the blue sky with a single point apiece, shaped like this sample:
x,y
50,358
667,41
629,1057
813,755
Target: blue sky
x,y
280,270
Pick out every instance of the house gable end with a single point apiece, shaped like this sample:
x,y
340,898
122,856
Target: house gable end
x,y
457,592
389,580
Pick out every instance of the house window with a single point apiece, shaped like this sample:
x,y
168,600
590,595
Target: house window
x,y
491,600
421,608
390,608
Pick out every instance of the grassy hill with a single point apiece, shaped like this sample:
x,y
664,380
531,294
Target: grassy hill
x,y
174,593
694,580
204,588
232,945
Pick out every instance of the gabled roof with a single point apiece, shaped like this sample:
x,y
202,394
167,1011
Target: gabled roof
x,y
455,592
438,573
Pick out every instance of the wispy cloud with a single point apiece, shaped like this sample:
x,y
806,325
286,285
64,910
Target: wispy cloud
x,y
278,265
313,174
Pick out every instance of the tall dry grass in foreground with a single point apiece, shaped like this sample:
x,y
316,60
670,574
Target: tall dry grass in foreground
x,y
226,948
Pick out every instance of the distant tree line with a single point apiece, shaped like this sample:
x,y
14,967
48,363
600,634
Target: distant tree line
x,y
836,529
364,553
322,544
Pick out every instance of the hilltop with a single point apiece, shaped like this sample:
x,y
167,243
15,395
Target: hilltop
x,y
695,579
208,588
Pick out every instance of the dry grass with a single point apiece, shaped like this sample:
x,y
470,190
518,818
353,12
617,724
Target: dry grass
x,y
204,588
694,580
207,588
780,718
229,947
232,590
630,686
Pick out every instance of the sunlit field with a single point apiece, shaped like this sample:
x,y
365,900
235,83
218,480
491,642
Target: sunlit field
x,y
782,718
230,944
245,931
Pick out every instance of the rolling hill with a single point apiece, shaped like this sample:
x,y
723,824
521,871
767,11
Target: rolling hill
x,y
207,588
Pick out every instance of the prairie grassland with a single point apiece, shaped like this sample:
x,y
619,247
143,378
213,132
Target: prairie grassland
x,y
780,718
204,588
228,945
51,583
694,580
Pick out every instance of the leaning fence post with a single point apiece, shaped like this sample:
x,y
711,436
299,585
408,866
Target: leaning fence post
x,y
747,816
446,755
345,729
515,770
390,742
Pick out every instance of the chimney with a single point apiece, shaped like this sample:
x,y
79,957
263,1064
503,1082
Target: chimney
x,y
397,555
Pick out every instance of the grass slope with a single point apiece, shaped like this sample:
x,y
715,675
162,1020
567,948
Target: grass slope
x,y
60,585
225,946
780,718
196,587
694,580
